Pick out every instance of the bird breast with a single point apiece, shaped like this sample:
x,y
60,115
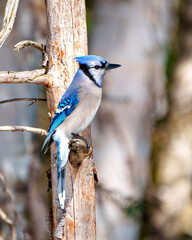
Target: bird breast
x,y
84,112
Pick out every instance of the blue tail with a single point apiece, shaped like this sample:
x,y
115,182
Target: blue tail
x,y
62,158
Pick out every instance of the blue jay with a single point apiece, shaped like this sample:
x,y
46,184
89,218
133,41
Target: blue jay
x,y
76,110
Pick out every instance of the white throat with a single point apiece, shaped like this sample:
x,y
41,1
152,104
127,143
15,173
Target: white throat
x,y
97,75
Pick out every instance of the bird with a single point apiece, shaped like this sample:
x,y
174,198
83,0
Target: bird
x,y
76,110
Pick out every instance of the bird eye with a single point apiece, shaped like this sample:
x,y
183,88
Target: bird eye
x,y
97,67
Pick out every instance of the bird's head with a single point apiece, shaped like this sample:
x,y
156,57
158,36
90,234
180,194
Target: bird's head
x,y
95,67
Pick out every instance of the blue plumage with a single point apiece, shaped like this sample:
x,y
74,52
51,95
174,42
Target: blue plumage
x,y
76,110
66,105
64,109
90,59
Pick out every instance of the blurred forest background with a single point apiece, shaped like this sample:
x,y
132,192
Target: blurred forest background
x,y
142,133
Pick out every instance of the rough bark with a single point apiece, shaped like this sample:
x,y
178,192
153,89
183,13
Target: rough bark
x,y
67,38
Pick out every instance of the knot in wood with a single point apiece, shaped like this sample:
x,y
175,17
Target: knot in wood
x,y
79,151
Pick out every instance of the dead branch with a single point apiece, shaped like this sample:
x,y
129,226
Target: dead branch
x,y
33,100
37,76
9,19
39,131
8,191
16,213
38,46
27,43
6,219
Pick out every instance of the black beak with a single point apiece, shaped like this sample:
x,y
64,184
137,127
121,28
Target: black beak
x,y
109,66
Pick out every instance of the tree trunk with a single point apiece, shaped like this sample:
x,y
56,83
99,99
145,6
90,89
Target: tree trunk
x,y
67,38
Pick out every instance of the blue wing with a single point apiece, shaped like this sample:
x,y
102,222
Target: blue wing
x,y
64,109
66,106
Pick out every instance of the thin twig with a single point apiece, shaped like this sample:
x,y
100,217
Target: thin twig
x,y
9,19
39,131
27,43
33,100
37,76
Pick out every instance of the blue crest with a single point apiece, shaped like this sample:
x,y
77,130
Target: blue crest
x,y
89,59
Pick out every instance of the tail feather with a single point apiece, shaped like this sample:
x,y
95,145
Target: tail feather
x,y
62,158
61,187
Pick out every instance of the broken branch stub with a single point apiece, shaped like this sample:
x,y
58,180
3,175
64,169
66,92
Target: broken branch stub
x,y
37,76
38,46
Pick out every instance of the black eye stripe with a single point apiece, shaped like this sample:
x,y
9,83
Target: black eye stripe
x,y
85,69
102,66
84,66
